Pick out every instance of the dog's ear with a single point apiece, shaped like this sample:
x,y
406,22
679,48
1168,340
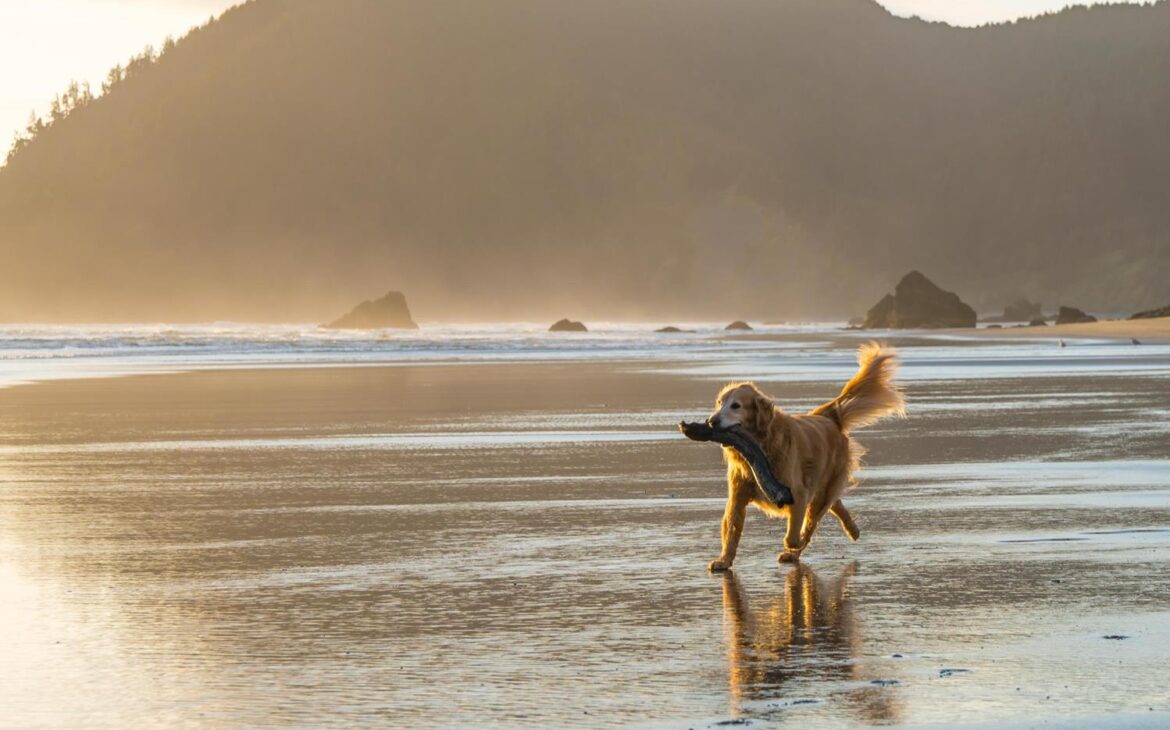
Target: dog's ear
x,y
765,412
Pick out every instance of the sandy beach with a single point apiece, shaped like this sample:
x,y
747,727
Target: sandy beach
x,y
1151,331
524,545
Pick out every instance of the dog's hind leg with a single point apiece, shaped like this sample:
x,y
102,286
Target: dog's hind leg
x,y
846,520
816,513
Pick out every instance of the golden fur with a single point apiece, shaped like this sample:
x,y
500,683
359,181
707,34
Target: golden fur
x,y
812,453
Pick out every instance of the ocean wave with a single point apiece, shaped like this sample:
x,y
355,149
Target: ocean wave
x,y
800,352
32,352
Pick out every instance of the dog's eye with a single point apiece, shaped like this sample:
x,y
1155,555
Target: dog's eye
x,y
734,406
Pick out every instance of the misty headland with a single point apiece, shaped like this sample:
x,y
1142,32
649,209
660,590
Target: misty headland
x,y
614,160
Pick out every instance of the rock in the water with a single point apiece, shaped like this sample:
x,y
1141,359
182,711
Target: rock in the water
x,y
881,314
388,312
1038,322
1021,310
671,329
567,325
1072,315
917,303
1153,313
855,322
738,325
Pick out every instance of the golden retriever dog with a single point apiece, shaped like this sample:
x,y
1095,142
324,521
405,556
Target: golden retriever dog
x,y
813,454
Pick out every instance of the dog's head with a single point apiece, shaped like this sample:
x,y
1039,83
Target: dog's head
x,y
742,404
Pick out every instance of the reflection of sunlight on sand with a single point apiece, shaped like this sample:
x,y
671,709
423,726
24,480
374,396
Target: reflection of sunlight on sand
x,y
69,666
72,652
45,646
807,632
43,642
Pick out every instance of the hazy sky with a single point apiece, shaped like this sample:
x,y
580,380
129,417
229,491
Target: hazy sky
x,y
977,12
46,43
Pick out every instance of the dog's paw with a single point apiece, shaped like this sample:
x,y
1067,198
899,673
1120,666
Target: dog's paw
x,y
718,566
788,556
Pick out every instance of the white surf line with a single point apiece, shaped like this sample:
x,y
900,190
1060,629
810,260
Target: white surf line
x,y
395,441
1119,499
656,502
1146,472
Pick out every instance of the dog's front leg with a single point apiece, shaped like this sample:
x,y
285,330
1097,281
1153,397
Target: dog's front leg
x,y
793,543
734,514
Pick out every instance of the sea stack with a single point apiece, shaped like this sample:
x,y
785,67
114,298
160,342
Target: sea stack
x,y
1072,315
389,312
567,325
918,303
1153,313
1021,310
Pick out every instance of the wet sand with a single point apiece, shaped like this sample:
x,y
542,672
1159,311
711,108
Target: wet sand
x,y
525,545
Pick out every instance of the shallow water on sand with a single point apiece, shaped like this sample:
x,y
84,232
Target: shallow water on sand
x,y
526,546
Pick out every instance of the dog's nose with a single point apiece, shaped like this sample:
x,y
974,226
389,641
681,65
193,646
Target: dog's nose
x,y
711,421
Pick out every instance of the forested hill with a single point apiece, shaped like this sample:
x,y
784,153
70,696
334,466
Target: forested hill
x,y
537,158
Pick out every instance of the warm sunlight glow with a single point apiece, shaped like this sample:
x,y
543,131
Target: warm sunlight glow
x,y
976,12
54,42
45,44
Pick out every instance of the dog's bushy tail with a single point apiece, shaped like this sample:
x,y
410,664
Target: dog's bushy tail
x,y
871,394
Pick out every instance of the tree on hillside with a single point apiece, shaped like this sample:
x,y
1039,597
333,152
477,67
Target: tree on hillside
x,y
79,95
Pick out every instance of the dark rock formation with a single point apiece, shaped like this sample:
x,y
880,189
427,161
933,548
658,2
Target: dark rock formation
x,y
388,312
739,325
881,314
1021,310
671,329
1038,322
1072,315
917,303
567,325
1153,313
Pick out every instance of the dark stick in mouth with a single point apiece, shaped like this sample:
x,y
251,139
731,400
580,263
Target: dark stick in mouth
x,y
749,448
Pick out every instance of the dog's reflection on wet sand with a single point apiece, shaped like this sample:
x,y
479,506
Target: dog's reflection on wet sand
x,y
805,631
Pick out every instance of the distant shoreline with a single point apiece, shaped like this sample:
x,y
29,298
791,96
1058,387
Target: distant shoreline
x,y
1152,331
